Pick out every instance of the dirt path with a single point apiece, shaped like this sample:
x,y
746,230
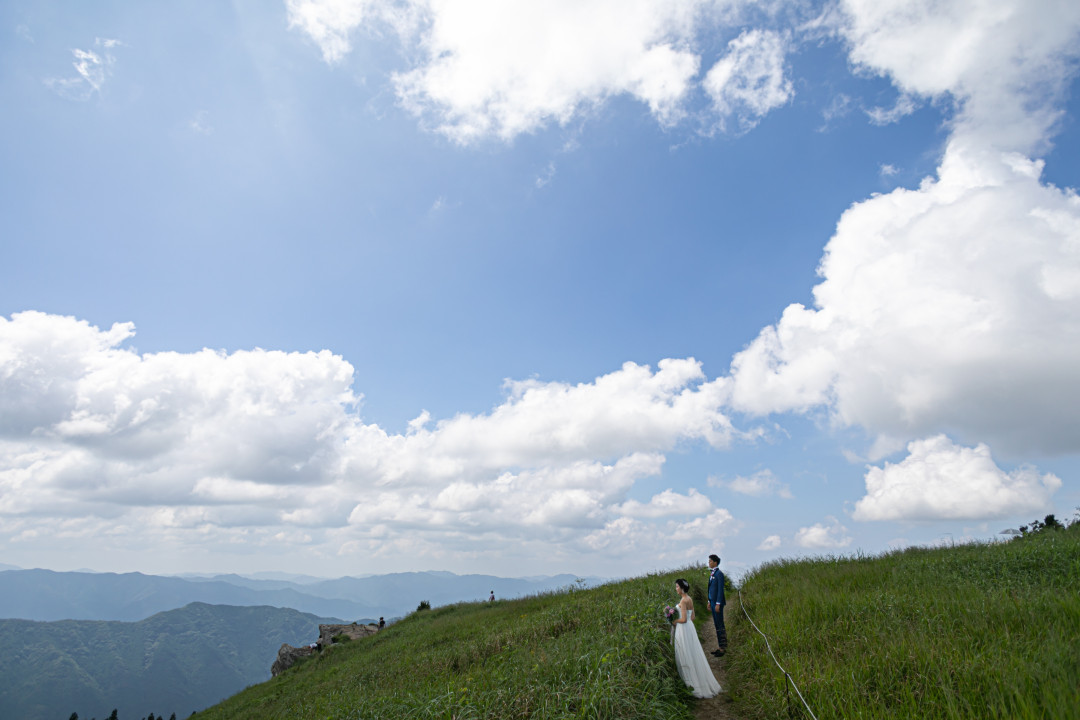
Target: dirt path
x,y
719,707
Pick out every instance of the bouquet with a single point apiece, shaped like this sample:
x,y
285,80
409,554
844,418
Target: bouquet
x,y
671,613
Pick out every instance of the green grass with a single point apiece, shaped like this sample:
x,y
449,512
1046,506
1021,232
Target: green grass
x,y
970,631
597,653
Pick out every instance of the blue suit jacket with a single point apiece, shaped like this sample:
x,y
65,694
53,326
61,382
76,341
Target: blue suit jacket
x,y
716,588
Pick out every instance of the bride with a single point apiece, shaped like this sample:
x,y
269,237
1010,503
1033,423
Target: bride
x,y
689,657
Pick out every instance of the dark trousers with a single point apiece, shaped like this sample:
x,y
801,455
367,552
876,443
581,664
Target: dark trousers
x,y
721,631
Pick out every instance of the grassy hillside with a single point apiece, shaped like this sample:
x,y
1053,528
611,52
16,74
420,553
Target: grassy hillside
x,y
603,652
176,661
971,631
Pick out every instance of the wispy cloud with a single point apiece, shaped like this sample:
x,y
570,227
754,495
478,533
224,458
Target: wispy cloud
x,y
92,68
201,123
838,107
760,484
546,176
905,105
749,80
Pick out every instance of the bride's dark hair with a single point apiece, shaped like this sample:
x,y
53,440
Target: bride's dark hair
x,y
683,584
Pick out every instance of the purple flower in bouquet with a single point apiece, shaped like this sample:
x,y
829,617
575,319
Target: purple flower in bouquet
x,y
671,613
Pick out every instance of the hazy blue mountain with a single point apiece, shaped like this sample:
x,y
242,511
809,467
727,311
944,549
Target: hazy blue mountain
x,y
177,661
292,577
46,595
437,587
253,583
9,567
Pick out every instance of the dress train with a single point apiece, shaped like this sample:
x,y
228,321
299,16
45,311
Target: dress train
x,y
691,661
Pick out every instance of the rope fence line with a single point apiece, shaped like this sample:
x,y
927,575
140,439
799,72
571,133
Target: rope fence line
x,y
787,675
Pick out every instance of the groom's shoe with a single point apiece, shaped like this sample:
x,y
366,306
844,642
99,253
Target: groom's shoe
x,y
717,653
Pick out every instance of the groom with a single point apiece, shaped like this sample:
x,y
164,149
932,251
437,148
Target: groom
x,y
716,604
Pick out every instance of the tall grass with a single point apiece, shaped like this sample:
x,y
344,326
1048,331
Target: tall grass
x,y
970,631
598,653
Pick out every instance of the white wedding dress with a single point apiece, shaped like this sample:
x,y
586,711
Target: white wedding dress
x,y
691,662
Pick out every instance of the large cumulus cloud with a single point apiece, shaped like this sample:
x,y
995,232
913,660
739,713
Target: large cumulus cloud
x,y
262,447
940,480
953,307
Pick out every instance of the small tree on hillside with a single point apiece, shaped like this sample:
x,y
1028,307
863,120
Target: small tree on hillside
x,y
1049,523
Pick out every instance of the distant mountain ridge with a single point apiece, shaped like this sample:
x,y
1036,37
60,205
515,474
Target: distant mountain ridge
x,y
46,595
177,661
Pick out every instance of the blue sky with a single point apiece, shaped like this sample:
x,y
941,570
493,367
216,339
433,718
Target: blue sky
x,y
357,286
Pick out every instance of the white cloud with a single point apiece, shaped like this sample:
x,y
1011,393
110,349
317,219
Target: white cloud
x,y
256,447
1004,61
330,22
749,81
92,68
887,170
501,69
760,484
838,107
668,503
546,176
770,543
200,123
905,105
940,480
948,306
823,536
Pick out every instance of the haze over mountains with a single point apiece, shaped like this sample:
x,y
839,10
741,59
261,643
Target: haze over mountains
x,y
46,595
89,642
173,662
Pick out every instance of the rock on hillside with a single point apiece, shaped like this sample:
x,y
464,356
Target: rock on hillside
x,y
288,655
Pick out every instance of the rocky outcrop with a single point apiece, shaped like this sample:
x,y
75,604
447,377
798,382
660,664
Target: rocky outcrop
x,y
289,655
353,631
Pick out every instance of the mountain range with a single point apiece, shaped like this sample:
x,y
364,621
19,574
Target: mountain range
x,y
46,595
89,642
178,661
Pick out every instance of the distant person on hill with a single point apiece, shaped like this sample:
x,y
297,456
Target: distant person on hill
x,y
492,598
716,604
382,623
690,659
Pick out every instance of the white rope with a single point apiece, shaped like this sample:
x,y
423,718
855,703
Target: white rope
x,y
787,675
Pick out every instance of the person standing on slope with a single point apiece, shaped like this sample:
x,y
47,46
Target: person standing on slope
x,y
716,604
